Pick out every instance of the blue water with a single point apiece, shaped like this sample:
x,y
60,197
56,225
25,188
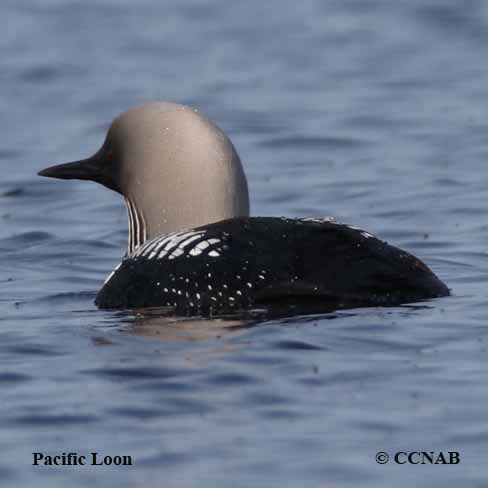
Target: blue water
x,y
372,111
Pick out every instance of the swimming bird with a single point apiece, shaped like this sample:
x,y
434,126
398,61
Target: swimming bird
x,y
193,247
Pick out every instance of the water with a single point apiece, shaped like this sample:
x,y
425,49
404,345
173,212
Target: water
x,y
373,111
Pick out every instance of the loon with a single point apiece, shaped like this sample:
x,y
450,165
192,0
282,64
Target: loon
x,y
193,247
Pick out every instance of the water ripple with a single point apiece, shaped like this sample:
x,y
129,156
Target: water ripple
x,y
296,346
136,373
52,420
13,378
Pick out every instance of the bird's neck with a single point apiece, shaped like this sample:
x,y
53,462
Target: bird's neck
x,y
161,209
137,226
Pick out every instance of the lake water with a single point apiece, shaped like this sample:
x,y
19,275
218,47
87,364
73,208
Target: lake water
x,y
372,111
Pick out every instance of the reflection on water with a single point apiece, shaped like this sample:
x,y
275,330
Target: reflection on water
x,y
169,328
160,323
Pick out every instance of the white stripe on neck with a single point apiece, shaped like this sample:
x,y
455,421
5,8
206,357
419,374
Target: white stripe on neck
x,y
137,227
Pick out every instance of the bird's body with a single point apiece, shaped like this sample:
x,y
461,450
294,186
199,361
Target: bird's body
x,y
242,263
193,247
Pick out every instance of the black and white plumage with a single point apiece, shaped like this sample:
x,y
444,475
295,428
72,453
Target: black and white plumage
x,y
242,263
193,247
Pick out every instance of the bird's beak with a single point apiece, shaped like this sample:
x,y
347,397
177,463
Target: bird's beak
x,y
85,169
97,168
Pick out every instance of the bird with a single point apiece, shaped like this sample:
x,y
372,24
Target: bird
x,y
193,247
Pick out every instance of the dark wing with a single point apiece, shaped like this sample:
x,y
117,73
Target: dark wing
x,y
346,266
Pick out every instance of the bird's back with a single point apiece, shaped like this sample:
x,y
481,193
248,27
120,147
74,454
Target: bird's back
x,y
241,263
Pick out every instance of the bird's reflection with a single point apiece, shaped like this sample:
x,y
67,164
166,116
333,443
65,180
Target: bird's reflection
x,y
167,328
161,323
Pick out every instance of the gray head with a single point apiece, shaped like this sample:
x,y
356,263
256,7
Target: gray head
x,y
175,168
